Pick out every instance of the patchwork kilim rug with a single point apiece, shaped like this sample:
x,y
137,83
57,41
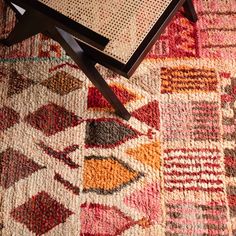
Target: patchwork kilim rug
x,y
69,166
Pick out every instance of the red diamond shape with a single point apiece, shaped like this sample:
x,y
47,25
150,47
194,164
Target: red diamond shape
x,y
8,118
52,118
14,167
41,213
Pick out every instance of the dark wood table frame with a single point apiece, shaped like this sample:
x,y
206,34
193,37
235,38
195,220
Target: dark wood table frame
x,y
85,46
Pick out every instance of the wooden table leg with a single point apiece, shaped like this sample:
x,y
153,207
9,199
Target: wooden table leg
x,y
190,12
87,65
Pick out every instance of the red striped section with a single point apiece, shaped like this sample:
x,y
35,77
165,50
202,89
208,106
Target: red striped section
x,y
190,157
209,181
187,173
196,170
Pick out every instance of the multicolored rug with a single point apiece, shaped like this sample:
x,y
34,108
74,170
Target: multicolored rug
x,y
69,166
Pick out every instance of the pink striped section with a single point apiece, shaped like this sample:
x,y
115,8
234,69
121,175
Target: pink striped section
x,y
188,218
185,221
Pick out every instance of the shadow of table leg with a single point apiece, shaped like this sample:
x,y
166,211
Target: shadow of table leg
x,y
27,26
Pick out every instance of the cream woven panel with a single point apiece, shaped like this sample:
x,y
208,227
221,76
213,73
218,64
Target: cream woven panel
x,y
124,22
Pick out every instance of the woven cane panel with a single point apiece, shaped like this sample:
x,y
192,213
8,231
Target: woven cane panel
x,y
124,22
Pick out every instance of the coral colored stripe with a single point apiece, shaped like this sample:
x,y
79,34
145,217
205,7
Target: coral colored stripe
x,y
230,161
227,98
180,173
232,200
229,128
210,181
198,231
171,189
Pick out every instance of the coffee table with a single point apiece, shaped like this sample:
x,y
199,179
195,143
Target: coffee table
x,y
114,33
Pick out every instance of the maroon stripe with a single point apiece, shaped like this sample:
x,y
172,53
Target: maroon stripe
x,y
210,181
211,189
67,184
186,173
192,157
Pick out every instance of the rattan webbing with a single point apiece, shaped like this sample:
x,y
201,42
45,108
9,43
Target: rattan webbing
x,y
124,22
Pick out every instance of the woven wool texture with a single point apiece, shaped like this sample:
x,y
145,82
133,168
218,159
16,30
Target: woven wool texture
x,y
69,166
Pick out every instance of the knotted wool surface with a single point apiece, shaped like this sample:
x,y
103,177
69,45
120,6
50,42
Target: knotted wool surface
x,y
69,166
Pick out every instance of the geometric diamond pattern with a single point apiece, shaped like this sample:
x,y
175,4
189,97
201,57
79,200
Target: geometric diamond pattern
x,y
107,175
14,167
52,118
41,213
62,83
8,118
18,83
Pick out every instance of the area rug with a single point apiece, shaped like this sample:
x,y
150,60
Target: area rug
x,y
69,166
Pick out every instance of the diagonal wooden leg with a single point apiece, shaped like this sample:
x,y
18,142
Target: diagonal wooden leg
x,y
190,12
73,49
27,26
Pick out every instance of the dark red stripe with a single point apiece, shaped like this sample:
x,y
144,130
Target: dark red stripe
x,y
186,173
210,181
192,157
180,165
67,184
171,189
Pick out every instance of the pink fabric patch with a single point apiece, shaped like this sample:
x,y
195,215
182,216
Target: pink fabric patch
x,y
147,201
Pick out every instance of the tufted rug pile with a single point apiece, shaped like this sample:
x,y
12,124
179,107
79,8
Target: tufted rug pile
x,y
69,166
